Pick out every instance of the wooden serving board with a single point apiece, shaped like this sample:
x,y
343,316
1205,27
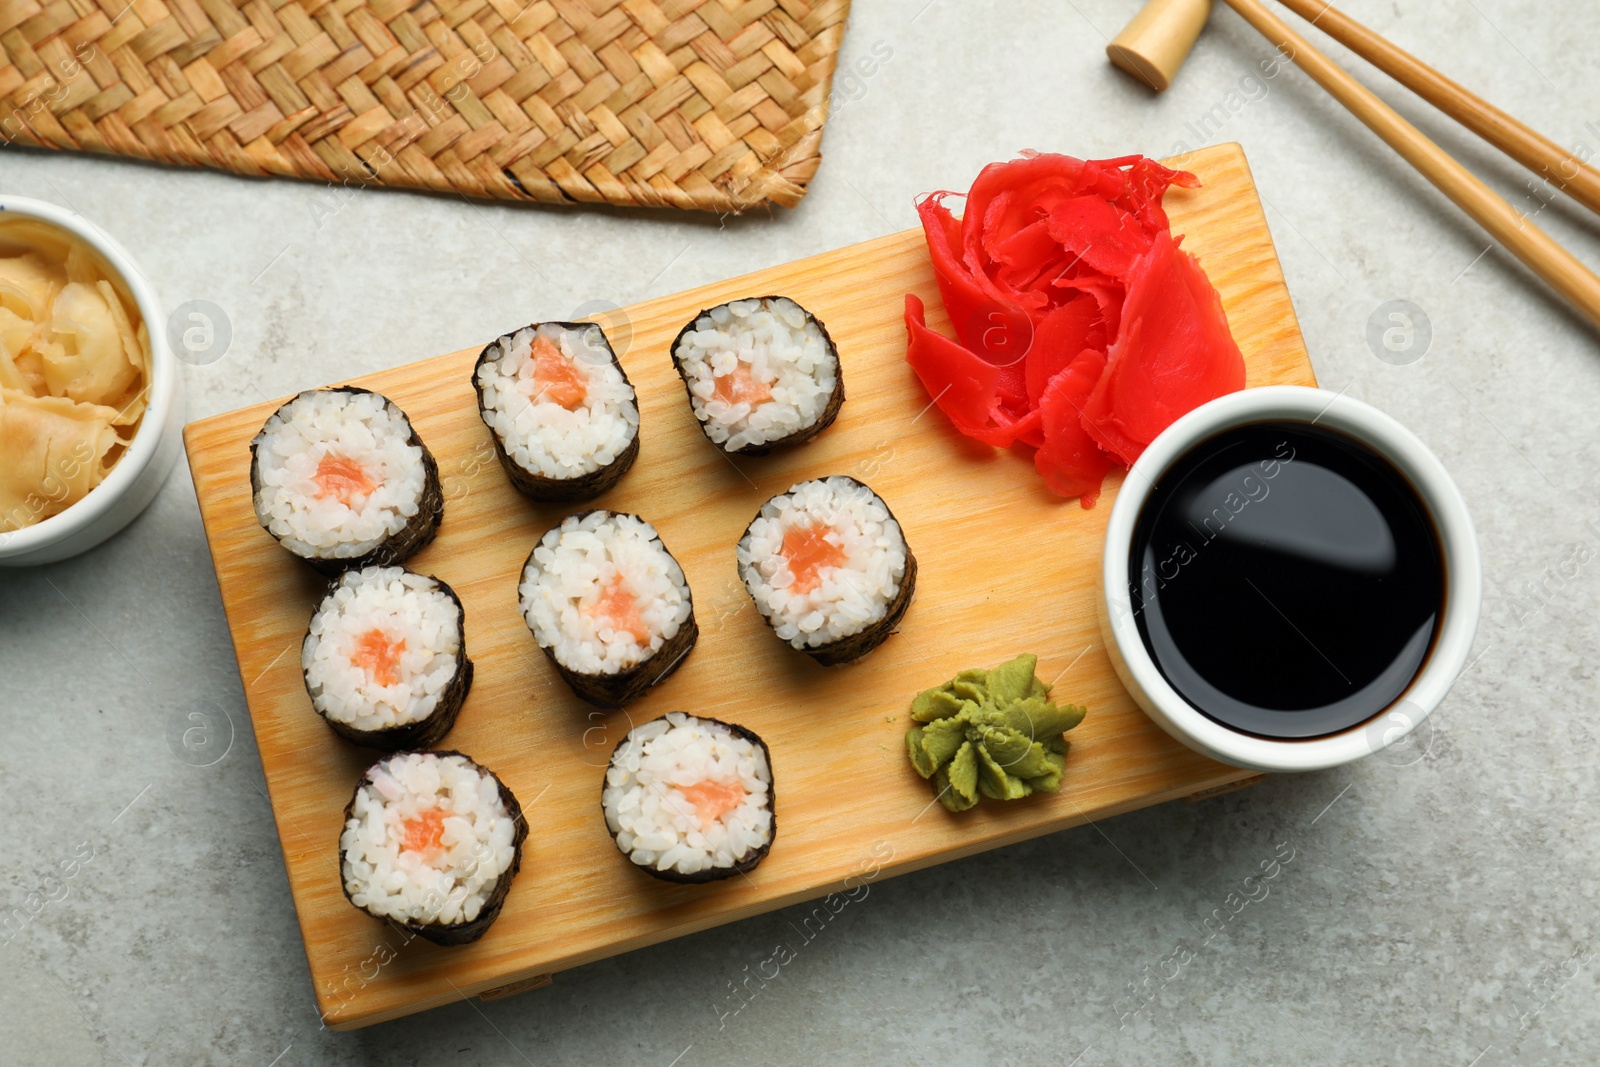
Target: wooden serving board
x,y
1005,568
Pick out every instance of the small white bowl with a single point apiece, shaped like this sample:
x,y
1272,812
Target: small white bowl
x,y
1458,543
132,483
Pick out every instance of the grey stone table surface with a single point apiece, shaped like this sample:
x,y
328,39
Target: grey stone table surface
x,y
1437,912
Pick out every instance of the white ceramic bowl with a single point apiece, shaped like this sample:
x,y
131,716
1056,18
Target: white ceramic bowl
x,y
133,482
1458,542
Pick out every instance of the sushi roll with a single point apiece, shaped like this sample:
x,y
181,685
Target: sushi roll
x,y
385,661
431,842
341,479
829,568
564,418
608,604
689,799
761,373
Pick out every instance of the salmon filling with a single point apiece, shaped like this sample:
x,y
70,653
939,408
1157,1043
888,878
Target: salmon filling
x,y
620,608
342,479
424,831
713,800
554,376
379,655
808,552
741,386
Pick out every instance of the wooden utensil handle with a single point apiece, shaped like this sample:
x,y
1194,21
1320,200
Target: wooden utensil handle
x,y
1527,146
1564,273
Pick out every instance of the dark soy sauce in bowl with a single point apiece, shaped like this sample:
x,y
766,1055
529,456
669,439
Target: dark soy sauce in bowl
x,y
1287,580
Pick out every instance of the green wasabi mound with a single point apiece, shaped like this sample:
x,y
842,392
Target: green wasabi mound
x,y
991,733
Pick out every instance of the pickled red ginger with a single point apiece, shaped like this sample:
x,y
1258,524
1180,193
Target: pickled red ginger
x,y
1082,328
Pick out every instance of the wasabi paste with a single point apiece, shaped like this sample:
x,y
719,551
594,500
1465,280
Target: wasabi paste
x,y
993,733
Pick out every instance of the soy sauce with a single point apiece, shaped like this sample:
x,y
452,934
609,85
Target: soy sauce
x,y
1286,579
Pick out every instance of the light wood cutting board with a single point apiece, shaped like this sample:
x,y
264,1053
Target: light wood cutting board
x,y
1005,568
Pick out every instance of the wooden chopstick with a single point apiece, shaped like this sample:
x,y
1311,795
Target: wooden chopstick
x,y
1535,248
1532,149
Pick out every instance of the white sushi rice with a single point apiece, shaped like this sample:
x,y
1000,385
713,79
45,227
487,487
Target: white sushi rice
x,y
851,596
784,349
539,434
409,609
363,428
449,884
656,825
572,567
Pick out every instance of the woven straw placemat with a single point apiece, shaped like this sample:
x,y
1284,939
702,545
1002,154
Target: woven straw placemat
x,y
715,105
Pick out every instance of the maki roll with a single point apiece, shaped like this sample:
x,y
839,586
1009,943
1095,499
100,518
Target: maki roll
x,y
761,373
829,568
385,661
689,799
608,604
341,479
564,418
431,842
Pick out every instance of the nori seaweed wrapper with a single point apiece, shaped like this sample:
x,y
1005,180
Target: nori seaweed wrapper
x,y
532,484
804,433
852,647
418,532
429,730
465,932
744,864
612,691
